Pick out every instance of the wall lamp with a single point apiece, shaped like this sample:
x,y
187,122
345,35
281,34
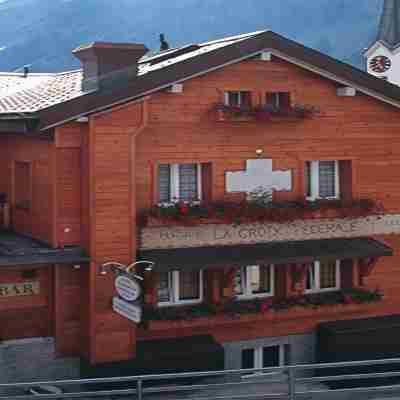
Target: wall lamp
x,y
118,268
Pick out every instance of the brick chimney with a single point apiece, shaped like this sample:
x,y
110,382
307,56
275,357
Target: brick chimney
x,y
105,64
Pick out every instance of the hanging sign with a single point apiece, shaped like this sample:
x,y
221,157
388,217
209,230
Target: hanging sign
x,y
128,310
127,288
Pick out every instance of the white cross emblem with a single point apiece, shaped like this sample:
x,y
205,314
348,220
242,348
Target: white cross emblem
x,y
258,174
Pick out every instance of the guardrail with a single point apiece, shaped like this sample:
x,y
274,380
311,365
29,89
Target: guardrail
x,y
287,382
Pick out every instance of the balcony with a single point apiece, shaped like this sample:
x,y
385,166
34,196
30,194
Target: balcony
x,y
263,113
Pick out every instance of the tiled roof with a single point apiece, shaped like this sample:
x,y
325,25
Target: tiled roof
x,y
19,94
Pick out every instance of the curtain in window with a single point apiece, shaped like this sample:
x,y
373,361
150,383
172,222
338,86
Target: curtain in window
x,y
261,279
327,274
164,182
164,287
239,282
189,285
327,179
188,182
310,278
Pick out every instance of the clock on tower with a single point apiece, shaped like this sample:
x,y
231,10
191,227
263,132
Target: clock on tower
x,y
380,64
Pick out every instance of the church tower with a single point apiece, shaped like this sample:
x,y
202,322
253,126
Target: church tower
x,y
383,56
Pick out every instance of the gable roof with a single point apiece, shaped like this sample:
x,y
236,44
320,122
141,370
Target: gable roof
x,y
389,25
159,71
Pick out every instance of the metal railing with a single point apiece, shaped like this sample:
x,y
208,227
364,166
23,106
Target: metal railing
x,y
287,382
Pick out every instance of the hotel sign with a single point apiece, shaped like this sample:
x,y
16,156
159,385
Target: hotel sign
x,y
227,235
19,289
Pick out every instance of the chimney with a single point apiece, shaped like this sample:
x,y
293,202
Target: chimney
x,y
107,64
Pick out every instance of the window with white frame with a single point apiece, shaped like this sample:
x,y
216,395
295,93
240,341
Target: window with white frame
x,y
322,180
323,276
179,182
238,98
255,281
263,357
180,287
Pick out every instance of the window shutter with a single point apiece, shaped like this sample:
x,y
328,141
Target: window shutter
x,y
346,274
280,281
188,182
346,180
164,182
307,178
284,100
206,182
327,179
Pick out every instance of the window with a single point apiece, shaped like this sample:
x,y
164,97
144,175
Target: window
x,y
179,182
278,100
238,99
180,287
22,185
322,180
263,357
255,281
323,276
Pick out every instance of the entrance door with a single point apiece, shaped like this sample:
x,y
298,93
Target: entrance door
x,y
263,357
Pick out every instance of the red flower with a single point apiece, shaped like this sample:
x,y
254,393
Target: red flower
x,y
265,306
184,208
348,299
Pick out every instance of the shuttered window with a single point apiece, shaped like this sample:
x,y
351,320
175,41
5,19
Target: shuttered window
x,y
179,182
322,180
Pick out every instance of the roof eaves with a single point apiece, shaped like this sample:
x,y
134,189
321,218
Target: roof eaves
x,y
282,47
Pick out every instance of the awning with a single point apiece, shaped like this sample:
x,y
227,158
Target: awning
x,y
17,250
266,253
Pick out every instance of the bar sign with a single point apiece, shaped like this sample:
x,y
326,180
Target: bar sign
x,y
19,289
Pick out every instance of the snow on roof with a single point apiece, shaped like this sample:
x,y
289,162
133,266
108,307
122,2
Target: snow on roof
x,y
19,94
35,92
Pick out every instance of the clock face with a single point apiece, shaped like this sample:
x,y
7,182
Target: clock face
x,y
380,64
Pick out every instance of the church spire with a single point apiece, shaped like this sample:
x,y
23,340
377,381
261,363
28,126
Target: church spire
x,y
389,25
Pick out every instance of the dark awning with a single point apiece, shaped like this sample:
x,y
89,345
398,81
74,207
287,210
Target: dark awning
x,y
16,250
267,253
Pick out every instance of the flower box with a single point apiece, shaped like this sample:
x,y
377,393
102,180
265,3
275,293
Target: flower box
x,y
246,212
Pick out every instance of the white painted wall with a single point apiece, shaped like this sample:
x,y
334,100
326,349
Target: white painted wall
x,y
393,74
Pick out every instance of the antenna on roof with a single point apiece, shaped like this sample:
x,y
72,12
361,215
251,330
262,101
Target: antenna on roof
x,y
163,43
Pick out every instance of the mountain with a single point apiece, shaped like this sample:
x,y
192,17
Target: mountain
x,y
43,32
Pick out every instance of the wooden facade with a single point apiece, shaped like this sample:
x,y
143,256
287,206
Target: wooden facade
x,y
92,182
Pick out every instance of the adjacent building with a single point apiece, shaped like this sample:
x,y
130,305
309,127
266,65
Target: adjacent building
x,y
257,176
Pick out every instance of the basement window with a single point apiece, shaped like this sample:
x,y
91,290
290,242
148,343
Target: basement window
x,y
23,185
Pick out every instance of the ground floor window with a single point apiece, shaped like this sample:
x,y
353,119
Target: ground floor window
x,y
180,287
323,276
263,357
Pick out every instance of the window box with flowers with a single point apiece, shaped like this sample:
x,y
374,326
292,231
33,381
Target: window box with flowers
x,y
197,213
260,309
